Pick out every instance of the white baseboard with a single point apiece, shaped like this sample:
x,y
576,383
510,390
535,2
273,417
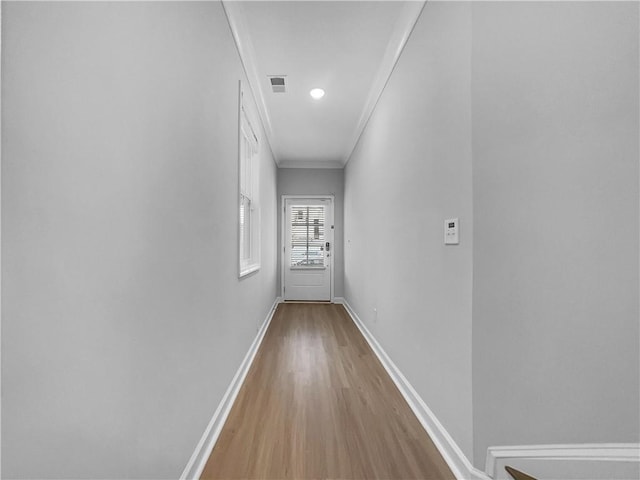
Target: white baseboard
x,y
605,461
626,456
456,460
203,450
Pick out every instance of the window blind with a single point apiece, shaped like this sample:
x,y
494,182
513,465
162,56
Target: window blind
x,y
307,235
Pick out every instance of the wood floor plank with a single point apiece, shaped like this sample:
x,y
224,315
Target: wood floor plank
x,y
317,404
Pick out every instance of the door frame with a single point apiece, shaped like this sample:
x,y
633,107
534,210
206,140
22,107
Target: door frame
x,y
283,209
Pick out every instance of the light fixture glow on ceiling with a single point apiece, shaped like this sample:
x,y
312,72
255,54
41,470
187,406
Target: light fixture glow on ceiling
x,y
317,93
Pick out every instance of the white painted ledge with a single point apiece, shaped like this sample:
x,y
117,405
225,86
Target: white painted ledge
x,y
602,461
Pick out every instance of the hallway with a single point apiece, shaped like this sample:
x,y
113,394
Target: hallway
x,y
317,404
467,188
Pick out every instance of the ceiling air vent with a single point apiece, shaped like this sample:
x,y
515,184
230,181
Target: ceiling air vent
x,y
277,84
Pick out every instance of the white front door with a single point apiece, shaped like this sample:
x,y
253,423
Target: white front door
x,y
308,242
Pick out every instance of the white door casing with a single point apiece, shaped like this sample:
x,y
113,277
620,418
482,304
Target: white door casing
x,y
307,263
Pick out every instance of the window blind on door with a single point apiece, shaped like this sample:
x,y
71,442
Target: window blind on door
x,y
307,235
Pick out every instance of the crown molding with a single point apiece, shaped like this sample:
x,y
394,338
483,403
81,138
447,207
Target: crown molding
x,y
404,25
234,12
310,164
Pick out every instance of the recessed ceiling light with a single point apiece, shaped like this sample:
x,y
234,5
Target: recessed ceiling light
x,y
317,93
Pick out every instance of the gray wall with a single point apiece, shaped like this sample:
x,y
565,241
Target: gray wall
x,y
316,181
410,171
529,112
123,318
555,196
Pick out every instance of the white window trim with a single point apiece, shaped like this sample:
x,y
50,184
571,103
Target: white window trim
x,y
250,191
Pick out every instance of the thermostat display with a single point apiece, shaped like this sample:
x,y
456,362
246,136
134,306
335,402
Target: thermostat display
x,y
451,236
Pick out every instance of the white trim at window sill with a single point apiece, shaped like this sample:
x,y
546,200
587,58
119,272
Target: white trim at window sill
x,y
250,269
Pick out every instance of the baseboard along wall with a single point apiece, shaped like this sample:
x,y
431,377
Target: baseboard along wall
x,y
452,454
625,457
203,450
569,462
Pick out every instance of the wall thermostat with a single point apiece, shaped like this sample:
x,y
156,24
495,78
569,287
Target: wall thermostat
x,y
451,232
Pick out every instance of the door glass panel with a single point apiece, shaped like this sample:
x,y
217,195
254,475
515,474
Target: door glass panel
x,y
307,235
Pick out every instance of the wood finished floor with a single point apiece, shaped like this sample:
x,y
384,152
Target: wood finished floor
x,y
317,404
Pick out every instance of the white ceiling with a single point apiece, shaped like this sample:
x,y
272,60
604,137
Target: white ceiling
x,y
348,48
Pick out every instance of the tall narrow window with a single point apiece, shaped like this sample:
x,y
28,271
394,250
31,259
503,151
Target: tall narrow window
x,y
249,212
